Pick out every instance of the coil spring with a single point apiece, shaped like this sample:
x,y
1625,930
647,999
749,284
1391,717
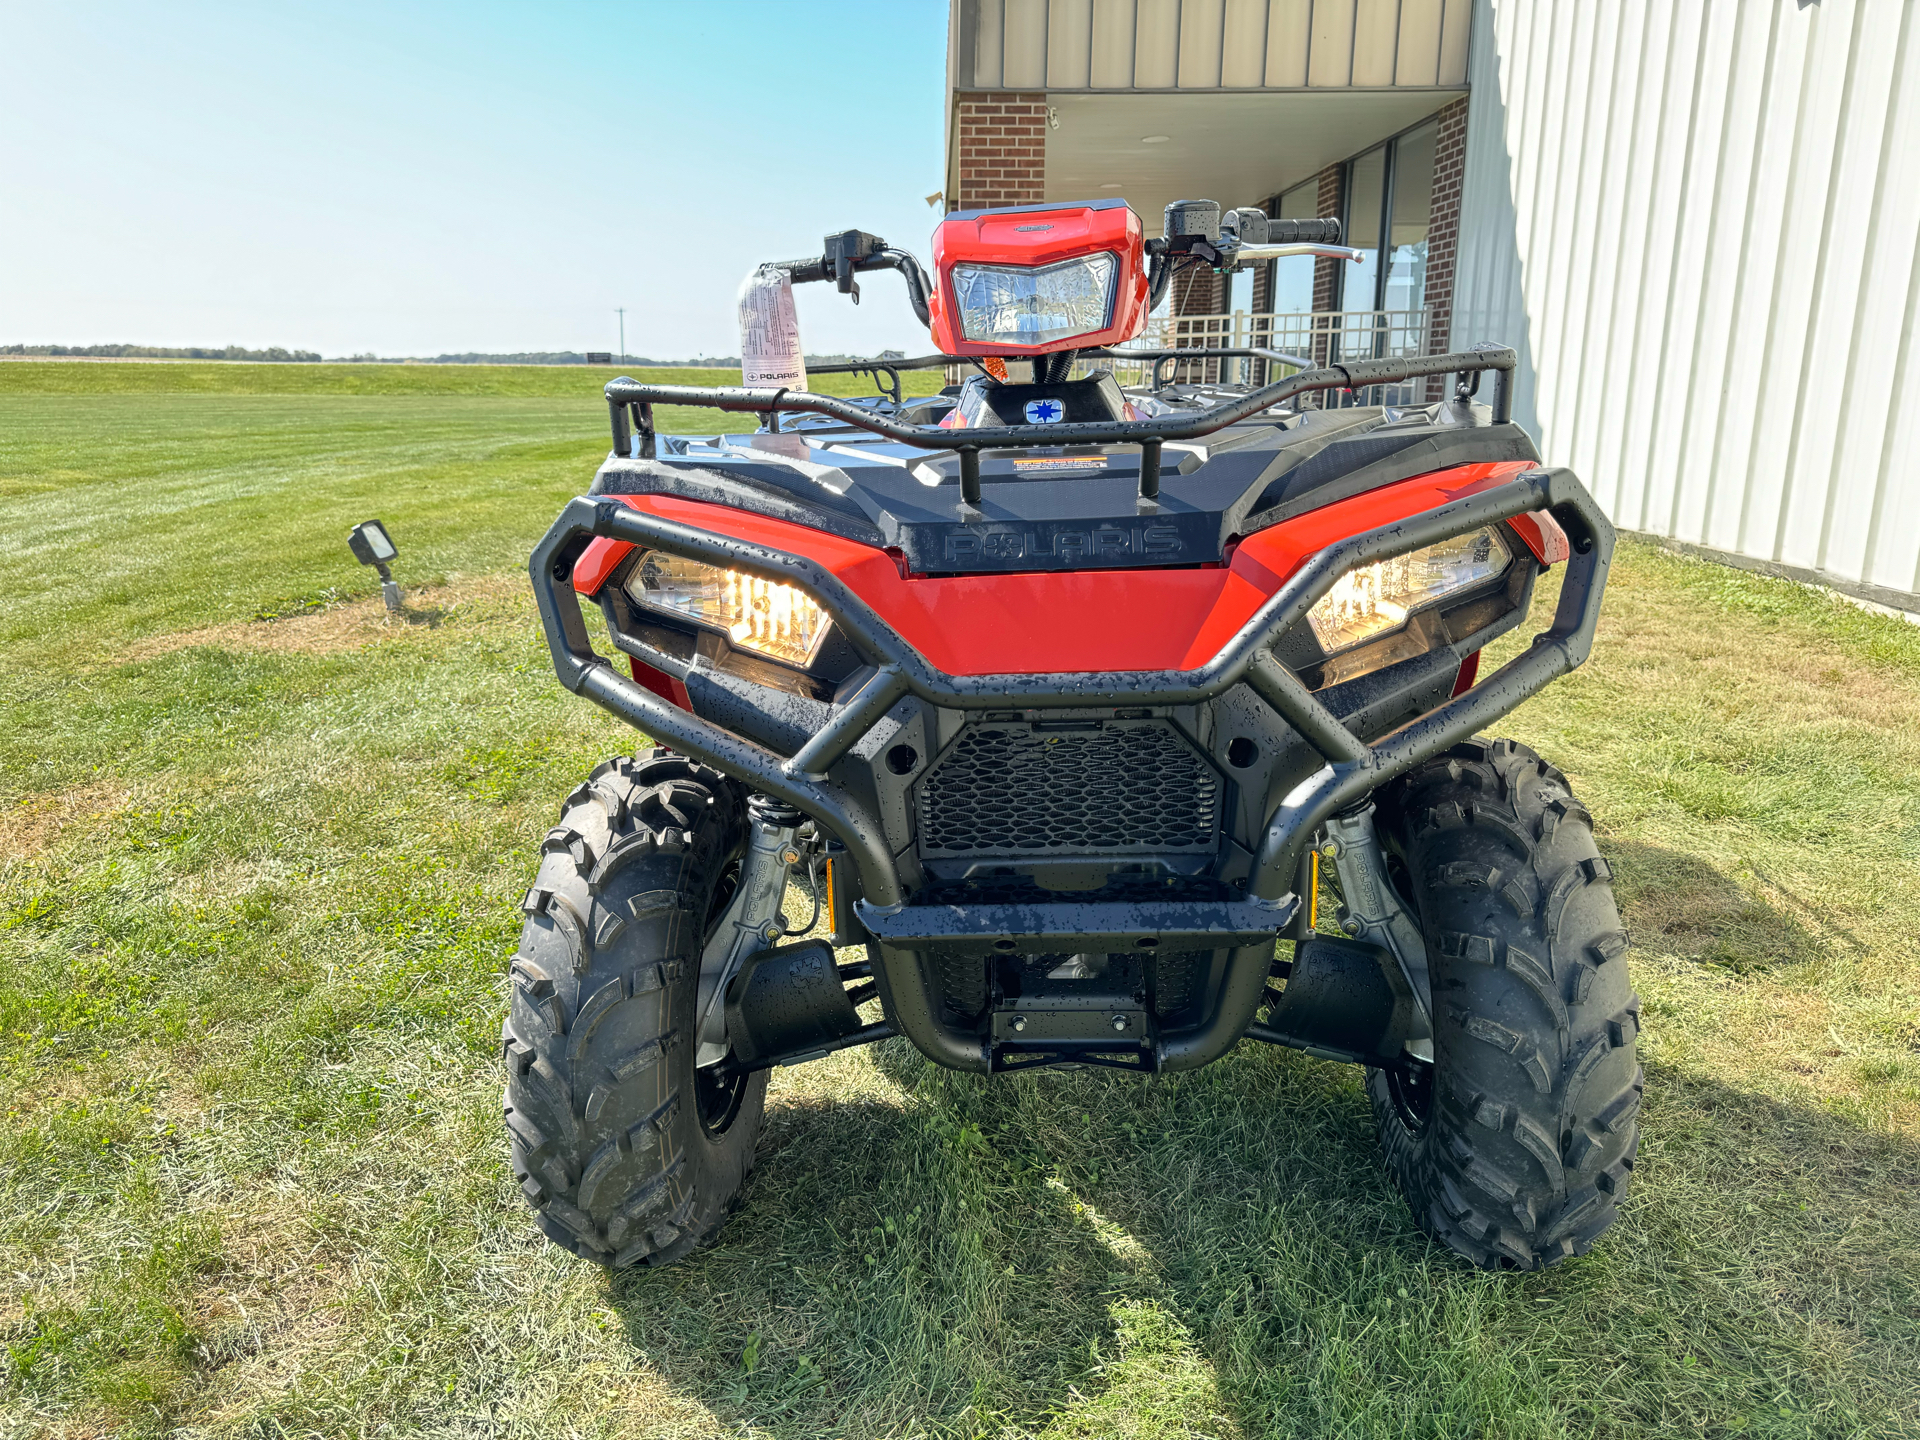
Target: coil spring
x,y
764,810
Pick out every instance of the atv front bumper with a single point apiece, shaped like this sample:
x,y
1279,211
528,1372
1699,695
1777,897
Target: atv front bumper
x,y
1245,929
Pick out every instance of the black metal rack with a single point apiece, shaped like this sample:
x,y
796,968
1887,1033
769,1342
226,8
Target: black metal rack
x,y
1157,359
631,408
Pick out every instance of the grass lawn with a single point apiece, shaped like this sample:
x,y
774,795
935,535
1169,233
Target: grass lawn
x,y
260,859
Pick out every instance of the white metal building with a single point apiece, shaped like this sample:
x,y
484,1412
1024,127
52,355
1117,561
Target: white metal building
x,y
1698,221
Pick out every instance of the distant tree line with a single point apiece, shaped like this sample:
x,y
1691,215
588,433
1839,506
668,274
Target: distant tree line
x,y
276,353
574,357
527,357
163,352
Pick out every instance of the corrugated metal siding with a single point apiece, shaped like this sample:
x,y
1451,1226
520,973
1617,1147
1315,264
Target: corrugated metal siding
x,y
1701,226
1193,45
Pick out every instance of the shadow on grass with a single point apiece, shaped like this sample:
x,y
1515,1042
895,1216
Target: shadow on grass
x,y
1679,904
1219,1252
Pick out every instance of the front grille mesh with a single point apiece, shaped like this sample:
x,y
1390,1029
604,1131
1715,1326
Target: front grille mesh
x,y
1123,788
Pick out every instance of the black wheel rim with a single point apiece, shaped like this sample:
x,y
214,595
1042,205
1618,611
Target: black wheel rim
x,y
724,889
1411,1083
719,1089
1410,1086
718,1092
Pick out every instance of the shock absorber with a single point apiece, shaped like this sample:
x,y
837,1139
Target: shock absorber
x,y
1371,910
753,919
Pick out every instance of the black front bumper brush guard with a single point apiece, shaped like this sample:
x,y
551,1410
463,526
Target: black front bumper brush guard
x,y
1353,769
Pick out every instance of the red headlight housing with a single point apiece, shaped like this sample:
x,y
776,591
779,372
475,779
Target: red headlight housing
x,y
1034,279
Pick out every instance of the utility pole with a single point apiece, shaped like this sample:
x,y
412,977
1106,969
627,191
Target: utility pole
x,y
622,313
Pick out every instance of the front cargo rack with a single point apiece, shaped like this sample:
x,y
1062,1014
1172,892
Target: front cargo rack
x,y
631,405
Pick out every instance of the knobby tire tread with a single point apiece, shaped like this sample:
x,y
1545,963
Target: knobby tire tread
x,y
1531,1129
603,1127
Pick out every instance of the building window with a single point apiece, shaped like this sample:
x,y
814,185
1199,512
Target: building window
x,y
1240,291
1291,286
1389,193
1405,285
1364,188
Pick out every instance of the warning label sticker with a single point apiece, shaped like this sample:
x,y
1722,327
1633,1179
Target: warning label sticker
x,y
1061,464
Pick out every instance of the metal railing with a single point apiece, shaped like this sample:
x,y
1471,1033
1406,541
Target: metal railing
x,y
1327,337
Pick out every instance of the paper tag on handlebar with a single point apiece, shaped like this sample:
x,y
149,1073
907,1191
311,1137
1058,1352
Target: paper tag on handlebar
x,y
770,349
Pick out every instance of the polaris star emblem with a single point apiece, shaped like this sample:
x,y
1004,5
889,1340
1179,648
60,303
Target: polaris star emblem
x,y
1043,412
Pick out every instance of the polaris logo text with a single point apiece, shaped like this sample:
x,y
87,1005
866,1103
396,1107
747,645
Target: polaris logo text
x,y
1103,545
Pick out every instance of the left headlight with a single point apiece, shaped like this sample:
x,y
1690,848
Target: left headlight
x,y
1372,600
1034,305
759,615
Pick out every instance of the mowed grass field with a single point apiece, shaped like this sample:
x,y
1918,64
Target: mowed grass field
x,y
261,852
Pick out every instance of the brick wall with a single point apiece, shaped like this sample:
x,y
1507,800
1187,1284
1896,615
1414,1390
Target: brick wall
x,y
1000,149
1327,276
1198,291
1261,292
1328,207
1444,233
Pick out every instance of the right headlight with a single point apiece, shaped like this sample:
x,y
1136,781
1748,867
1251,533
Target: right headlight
x,y
1372,600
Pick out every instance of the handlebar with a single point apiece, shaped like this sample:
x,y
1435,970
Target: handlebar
x,y
1303,232
853,251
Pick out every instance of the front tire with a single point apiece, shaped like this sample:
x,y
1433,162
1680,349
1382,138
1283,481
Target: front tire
x,y
1514,1147
627,1152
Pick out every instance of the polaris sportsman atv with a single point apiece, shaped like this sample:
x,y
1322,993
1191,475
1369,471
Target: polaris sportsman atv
x,y
1063,699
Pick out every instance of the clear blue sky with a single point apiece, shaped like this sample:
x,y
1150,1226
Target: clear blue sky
x,y
413,178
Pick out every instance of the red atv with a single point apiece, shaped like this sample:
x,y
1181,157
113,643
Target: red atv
x,y
1064,700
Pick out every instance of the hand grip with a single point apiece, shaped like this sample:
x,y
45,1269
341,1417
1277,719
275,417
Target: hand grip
x,y
1303,232
801,271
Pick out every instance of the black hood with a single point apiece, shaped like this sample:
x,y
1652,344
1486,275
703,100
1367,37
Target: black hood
x,y
1064,507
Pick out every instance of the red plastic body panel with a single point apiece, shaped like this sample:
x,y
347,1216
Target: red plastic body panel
x,y
1541,533
598,561
1465,676
669,688
1035,237
1060,622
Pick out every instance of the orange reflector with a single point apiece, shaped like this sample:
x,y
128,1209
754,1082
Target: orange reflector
x,y
833,920
1313,891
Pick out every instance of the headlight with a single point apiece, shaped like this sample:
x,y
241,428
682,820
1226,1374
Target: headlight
x,y
758,615
1378,598
1034,305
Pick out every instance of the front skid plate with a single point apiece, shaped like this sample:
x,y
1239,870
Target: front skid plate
x,y
1078,926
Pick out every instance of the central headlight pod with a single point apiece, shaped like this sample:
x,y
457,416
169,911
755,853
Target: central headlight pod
x,y
1371,600
1035,305
762,616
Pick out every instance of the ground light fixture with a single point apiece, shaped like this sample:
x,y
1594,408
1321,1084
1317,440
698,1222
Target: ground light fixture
x,y
372,546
